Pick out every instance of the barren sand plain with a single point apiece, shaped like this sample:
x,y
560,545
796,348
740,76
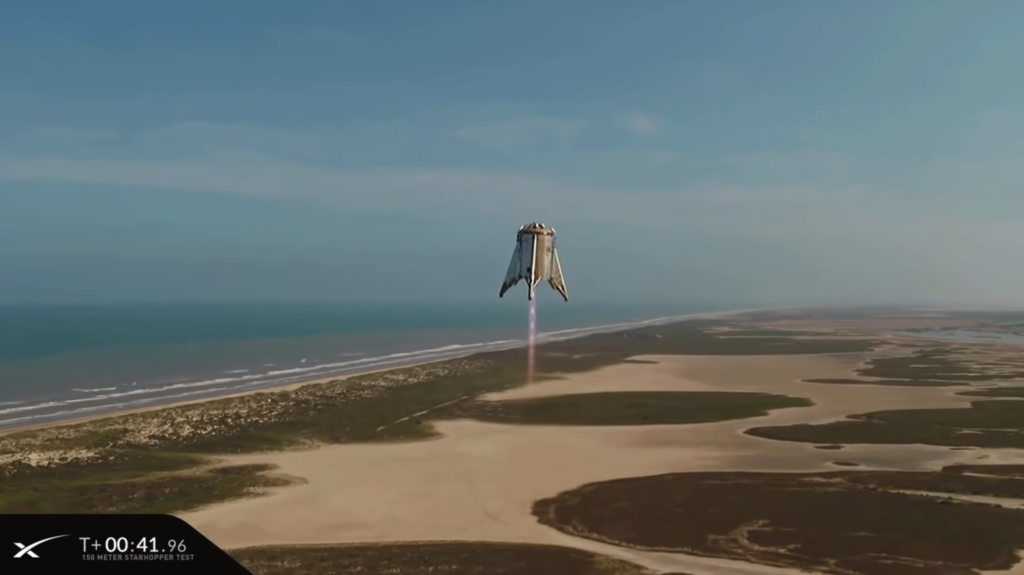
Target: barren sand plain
x,y
478,480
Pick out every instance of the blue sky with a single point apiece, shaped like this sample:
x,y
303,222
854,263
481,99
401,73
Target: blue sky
x,y
765,152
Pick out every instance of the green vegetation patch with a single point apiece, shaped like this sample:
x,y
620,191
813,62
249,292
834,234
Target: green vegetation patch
x,y
421,558
627,408
990,317
844,522
953,480
983,424
931,364
693,338
997,470
996,392
833,312
896,382
99,489
769,333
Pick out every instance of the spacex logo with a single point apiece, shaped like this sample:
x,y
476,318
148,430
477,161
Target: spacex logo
x,y
27,550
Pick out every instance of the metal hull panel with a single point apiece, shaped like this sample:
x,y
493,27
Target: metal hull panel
x,y
535,259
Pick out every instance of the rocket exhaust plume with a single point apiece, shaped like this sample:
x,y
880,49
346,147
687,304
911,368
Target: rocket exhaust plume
x,y
531,353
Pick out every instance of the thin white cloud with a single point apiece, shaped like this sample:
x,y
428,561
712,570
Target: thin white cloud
x,y
209,137
355,139
793,165
661,157
310,35
642,124
67,134
521,131
798,162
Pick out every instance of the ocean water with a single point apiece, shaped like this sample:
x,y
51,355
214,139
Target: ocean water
x,y
63,362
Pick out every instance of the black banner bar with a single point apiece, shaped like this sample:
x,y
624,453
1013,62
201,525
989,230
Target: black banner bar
x,y
151,544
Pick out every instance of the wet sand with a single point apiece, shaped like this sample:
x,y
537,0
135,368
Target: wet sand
x,y
479,480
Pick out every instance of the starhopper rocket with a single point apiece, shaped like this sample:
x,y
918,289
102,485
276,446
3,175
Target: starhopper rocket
x,y
535,259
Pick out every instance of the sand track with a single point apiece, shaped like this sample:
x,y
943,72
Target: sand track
x,y
479,480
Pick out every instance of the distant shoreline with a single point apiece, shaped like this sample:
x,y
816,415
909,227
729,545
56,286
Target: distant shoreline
x,y
547,337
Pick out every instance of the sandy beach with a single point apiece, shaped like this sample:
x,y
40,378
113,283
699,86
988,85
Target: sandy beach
x,y
479,480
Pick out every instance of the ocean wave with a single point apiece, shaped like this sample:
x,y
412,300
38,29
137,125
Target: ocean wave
x,y
121,406
95,389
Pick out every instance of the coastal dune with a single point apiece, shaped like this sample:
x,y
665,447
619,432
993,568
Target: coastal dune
x,y
478,481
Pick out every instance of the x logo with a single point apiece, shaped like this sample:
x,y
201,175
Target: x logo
x,y
25,551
